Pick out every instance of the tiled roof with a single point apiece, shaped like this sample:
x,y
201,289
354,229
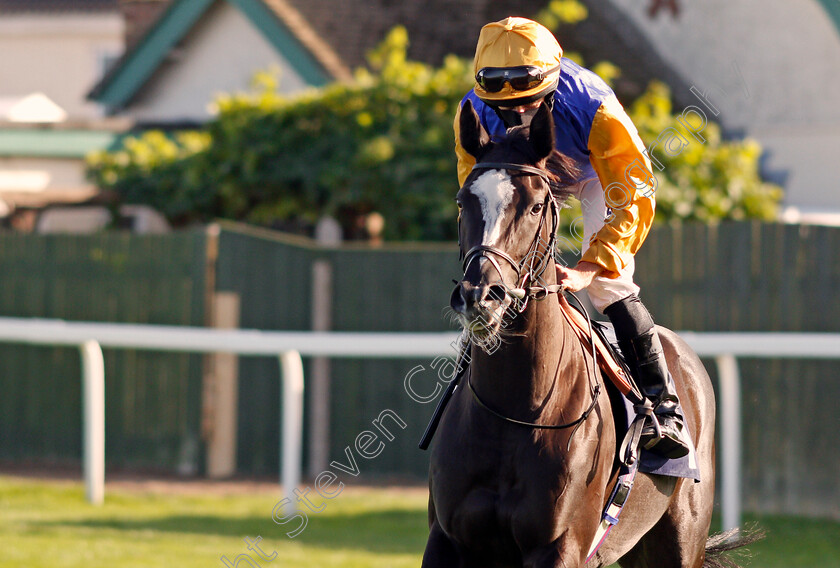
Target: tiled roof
x,y
45,6
306,35
338,34
440,27
435,27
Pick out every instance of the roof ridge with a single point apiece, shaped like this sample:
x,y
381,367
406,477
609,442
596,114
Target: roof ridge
x,y
300,28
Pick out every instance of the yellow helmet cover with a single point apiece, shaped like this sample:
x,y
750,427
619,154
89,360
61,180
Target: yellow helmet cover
x,y
514,42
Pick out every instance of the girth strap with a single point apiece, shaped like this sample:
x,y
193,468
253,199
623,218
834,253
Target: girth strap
x,y
615,504
628,455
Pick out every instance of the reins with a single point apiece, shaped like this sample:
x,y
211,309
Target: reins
x,y
523,291
534,425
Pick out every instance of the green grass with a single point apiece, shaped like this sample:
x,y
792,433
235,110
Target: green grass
x,y
48,524
796,542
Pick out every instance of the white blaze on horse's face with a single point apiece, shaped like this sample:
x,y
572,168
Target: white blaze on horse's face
x,y
494,190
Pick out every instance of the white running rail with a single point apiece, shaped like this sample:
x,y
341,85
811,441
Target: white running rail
x,y
725,347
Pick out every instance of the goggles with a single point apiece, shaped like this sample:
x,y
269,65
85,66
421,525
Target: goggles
x,y
521,78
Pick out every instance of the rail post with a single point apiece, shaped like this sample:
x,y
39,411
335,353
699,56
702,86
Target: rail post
x,y
93,381
730,440
291,435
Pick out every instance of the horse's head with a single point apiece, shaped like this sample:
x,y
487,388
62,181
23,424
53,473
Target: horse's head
x,y
507,219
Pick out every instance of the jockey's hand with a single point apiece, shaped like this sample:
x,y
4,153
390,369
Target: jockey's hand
x,y
579,277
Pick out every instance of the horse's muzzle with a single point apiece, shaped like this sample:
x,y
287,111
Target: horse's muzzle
x,y
477,302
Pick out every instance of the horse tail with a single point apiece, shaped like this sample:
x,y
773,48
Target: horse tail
x,y
719,545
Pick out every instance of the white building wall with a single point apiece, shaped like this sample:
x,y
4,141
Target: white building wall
x,y
36,181
773,70
220,55
60,55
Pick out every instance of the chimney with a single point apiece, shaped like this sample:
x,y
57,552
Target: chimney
x,y
139,15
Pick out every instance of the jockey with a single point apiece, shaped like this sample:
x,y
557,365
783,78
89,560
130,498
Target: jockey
x,y
519,65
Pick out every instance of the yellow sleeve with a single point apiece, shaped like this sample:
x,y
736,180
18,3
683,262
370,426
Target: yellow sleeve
x,y
465,160
617,155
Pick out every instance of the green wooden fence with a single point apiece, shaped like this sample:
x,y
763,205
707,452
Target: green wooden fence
x,y
153,399
763,277
731,277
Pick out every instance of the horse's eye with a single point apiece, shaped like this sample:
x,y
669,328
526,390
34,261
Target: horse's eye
x,y
536,208
459,204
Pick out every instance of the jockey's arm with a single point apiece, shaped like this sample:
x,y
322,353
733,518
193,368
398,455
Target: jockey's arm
x,y
465,160
579,277
618,157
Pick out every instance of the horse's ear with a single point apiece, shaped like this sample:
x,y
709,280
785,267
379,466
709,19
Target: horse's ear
x,y
542,132
474,138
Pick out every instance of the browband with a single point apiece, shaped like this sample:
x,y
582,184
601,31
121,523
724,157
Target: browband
x,y
508,166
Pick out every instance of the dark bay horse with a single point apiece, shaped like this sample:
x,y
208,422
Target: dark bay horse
x,y
511,495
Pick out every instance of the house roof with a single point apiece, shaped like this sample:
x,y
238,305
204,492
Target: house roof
x,y
41,6
604,35
832,8
321,45
279,22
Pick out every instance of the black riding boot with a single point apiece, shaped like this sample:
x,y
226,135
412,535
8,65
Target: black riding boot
x,y
641,347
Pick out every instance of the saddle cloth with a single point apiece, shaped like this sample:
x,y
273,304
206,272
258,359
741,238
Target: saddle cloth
x,y
624,393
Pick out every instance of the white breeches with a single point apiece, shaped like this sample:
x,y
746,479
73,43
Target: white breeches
x,y
603,291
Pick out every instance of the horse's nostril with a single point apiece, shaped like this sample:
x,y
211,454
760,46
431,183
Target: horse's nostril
x,y
467,297
456,300
496,292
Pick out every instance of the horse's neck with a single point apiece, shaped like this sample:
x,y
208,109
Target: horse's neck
x,y
522,374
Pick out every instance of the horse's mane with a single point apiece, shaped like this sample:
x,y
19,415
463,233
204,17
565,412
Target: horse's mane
x,y
563,171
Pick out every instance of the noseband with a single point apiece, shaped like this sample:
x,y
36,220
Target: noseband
x,y
532,266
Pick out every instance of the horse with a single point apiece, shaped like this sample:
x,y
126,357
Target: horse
x,y
531,494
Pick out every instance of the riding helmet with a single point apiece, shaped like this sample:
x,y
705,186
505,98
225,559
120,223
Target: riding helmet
x,y
516,42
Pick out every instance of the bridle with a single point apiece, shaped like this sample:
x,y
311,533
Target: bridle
x,y
533,264
530,268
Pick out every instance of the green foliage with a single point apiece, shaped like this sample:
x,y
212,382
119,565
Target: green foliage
x,y
705,180
562,12
607,71
154,169
383,143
